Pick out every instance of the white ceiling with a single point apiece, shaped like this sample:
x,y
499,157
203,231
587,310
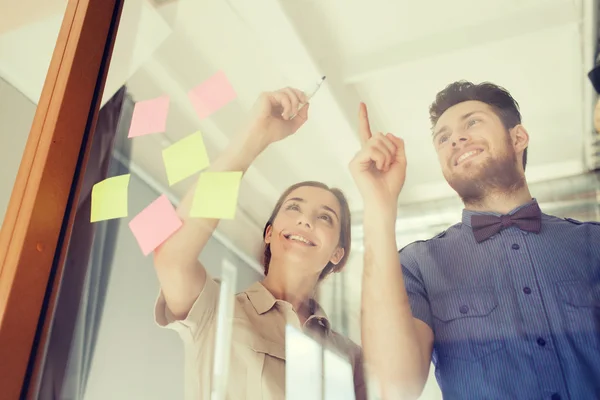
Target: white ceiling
x,y
394,55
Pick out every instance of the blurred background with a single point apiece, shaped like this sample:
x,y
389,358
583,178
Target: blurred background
x,y
393,55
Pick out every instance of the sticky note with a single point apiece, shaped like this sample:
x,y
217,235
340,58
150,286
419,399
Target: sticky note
x,y
109,198
185,158
211,95
216,195
149,116
155,224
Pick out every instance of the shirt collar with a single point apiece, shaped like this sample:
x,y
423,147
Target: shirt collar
x,y
263,301
467,214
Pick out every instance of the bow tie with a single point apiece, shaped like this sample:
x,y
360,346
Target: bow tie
x,y
528,218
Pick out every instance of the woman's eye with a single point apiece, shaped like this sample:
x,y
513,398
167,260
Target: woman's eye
x,y
442,139
326,218
293,207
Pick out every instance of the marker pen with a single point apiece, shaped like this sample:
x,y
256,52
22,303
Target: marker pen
x,y
310,93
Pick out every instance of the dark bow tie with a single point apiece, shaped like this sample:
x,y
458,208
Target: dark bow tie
x,y
528,218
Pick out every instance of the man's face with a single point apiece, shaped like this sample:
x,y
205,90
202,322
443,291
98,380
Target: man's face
x,y
475,150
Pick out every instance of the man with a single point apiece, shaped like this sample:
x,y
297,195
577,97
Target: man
x,y
507,302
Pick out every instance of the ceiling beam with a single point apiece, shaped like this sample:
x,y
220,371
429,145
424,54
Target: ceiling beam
x,y
519,23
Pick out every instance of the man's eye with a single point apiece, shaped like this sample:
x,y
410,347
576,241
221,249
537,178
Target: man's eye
x,y
442,139
472,122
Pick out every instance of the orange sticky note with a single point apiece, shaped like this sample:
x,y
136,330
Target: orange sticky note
x,y
109,198
185,158
155,224
149,116
216,195
211,95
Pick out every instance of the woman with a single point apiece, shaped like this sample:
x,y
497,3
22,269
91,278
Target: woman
x,y
306,238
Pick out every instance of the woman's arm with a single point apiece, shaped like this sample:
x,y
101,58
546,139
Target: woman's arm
x,y
181,275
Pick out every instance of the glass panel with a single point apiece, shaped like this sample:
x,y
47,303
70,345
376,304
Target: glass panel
x,y
195,96
28,33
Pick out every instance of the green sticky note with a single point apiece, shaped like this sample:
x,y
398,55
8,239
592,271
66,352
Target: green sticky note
x,y
185,158
109,198
216,195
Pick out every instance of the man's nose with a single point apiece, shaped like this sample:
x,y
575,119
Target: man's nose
x,y
457,139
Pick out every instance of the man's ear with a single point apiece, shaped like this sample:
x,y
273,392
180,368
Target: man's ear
x,y
337,256
268,233
519,138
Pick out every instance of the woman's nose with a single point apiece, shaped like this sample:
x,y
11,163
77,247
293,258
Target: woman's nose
x,y
304,221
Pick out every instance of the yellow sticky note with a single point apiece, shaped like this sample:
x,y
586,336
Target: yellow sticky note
x,y
109,198
216,195
185,158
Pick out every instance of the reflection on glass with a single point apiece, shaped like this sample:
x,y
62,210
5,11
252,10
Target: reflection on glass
x,y
304,366
28,34
337,377
183,101
225,309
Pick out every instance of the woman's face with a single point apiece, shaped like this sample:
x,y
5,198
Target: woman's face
x,y
306,231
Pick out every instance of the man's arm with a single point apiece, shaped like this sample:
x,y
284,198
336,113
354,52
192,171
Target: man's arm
x,y
397,346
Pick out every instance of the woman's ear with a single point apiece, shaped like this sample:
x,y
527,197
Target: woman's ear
x,y
337,256
268,233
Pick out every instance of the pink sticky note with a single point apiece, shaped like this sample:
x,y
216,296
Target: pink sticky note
x,y
149,116
211,95
155,224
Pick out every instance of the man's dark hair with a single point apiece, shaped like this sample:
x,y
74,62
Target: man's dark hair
x,y
502,103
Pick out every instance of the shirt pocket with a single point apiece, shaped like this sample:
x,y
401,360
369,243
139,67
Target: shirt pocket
x,y
580,305
266,376
467,324
249,367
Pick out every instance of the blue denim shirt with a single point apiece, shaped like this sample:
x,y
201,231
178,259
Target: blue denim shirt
x,y
516,316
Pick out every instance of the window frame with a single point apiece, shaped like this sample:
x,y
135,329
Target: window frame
x,y
39,217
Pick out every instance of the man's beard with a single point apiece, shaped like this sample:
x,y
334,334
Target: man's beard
x,y
494,175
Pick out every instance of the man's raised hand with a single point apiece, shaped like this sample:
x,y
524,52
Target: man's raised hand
x,y
379,168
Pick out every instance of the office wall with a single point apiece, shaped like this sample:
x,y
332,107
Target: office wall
x,y
16,116
133,358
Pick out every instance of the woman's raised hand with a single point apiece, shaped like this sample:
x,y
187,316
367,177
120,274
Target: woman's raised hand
x,y
271,118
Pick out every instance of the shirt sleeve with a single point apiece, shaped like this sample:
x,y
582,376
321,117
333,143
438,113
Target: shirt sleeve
x,y
415,288
202,313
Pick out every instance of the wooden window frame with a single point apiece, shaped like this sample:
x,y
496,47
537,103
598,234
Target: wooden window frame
x,y
38,222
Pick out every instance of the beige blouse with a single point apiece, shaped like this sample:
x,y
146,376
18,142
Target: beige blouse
x,y
257,366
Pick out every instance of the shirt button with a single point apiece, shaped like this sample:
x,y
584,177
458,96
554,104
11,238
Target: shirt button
x,y
464,309
526,290
555,396
541,342
515,246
